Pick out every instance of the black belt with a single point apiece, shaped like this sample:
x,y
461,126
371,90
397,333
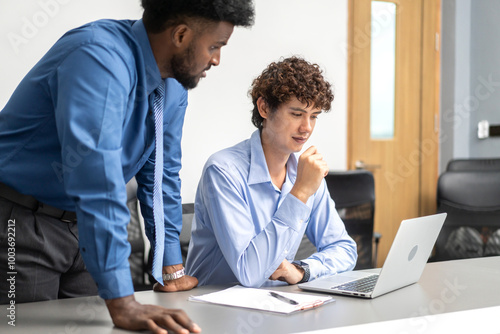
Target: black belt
x,y
34,205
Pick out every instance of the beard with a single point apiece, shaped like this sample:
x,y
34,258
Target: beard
x,y
182,65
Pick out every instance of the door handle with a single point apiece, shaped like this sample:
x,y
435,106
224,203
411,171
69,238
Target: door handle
x,y
360,164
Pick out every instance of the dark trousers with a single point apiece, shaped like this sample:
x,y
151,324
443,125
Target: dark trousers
x,y
39,257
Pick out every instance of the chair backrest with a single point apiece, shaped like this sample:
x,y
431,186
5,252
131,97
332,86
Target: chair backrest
x,y
187,221
473,164
354,195
135,236
140,265
184,237
472,200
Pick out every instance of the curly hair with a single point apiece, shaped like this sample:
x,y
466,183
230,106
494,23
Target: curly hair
x,y
291,77
160,14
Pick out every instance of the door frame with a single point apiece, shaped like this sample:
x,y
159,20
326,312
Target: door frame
x,y
429,96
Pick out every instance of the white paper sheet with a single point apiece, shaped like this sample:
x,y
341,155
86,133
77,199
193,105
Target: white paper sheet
x,y
260,299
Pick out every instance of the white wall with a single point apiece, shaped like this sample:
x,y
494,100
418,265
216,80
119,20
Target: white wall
x,y
218,115
455,83
484,76
470,78
28,28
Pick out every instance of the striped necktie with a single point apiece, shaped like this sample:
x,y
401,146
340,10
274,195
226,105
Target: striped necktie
x,y
158,104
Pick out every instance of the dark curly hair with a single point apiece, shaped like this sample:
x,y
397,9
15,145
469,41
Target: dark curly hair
x,y
291,77
160,14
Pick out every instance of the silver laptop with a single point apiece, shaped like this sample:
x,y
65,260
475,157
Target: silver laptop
x,y
403,266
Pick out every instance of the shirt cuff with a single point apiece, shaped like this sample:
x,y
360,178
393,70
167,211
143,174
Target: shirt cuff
x,y
293,212
114,284
315,269
172,254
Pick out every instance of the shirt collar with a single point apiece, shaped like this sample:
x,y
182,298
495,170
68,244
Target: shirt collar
x,y
259,173
153,75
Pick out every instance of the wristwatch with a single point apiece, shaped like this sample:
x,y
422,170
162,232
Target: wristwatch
x,y
172,276
305,267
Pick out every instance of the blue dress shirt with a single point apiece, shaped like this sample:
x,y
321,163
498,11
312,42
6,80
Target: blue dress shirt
x,y
79,126
244,226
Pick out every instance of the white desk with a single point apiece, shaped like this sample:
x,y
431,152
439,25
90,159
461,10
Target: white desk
x,y
445,287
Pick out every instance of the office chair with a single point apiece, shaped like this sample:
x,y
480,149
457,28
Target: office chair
x,y
471,197
184,237
354,195
140,268
473,164
136,238
187,221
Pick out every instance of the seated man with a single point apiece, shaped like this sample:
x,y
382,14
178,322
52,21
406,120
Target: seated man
x,y
256,200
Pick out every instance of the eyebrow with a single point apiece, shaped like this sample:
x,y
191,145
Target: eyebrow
x,y
302,110
221,43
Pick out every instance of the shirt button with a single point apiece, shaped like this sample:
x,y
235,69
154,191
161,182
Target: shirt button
x,y
286,251
301,221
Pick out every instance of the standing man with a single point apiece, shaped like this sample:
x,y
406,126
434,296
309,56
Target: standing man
x,y
86,119
256,200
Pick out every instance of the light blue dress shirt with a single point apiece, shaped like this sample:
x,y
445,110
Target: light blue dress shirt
x,y
244,226
79,126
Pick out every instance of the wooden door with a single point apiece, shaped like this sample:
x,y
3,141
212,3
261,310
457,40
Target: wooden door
x,y
405,175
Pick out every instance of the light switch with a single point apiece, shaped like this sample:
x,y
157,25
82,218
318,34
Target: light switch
x,y
483,129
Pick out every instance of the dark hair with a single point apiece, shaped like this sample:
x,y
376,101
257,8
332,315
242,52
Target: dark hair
x,y
161,14
291,77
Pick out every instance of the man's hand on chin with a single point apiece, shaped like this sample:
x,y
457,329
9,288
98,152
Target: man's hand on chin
x,y
180,284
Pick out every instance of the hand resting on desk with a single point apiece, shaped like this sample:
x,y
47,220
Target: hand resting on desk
x,y
127,313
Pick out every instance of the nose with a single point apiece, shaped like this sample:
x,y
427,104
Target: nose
x,y
306,125
215,59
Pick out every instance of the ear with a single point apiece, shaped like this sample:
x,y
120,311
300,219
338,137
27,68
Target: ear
x,y
181,35
263,107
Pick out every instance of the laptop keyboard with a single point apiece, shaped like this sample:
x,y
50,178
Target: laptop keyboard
x,y
363,285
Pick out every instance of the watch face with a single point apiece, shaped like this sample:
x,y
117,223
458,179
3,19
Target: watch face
x,y
306,273
305,267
